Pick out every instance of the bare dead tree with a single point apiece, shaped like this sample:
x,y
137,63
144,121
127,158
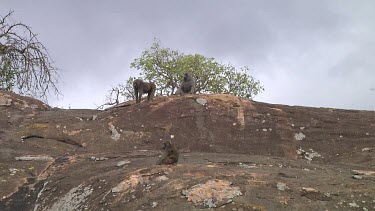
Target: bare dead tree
x,y
25,64
114,96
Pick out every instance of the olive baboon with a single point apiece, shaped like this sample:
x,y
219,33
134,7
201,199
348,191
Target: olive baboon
x,y
170,155
187,85
141,87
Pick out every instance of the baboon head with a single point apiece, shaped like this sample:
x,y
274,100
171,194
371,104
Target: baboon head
x,y
137,83
187,77
166,145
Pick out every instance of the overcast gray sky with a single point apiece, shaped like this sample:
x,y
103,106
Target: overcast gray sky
x,y
312,53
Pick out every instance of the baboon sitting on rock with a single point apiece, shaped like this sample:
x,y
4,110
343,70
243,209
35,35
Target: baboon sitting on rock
x,y
141,87
187,85
170,155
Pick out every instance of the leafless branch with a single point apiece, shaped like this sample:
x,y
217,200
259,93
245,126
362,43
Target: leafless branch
x,y
25,60
116,93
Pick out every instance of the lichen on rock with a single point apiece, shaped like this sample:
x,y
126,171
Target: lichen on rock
x,y
214,193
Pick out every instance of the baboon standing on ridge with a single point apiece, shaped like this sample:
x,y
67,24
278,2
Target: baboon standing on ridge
x,y
141,87
170,155
187,85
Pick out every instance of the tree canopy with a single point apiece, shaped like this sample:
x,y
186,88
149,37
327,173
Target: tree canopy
x,y
25,64
165,67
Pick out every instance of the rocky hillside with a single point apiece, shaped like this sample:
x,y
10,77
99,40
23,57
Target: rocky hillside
x,y
235,154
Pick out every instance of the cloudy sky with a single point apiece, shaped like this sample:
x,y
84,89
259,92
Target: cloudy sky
x,y
312,53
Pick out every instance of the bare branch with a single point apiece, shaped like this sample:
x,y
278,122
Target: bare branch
x,y
24,61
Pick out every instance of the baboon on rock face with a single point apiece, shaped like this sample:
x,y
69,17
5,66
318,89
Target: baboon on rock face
x,y
170,155
141,87
187,85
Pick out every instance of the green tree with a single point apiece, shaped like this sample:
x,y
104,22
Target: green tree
x,y
166,67
239,83
160,65
206,72
25,65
